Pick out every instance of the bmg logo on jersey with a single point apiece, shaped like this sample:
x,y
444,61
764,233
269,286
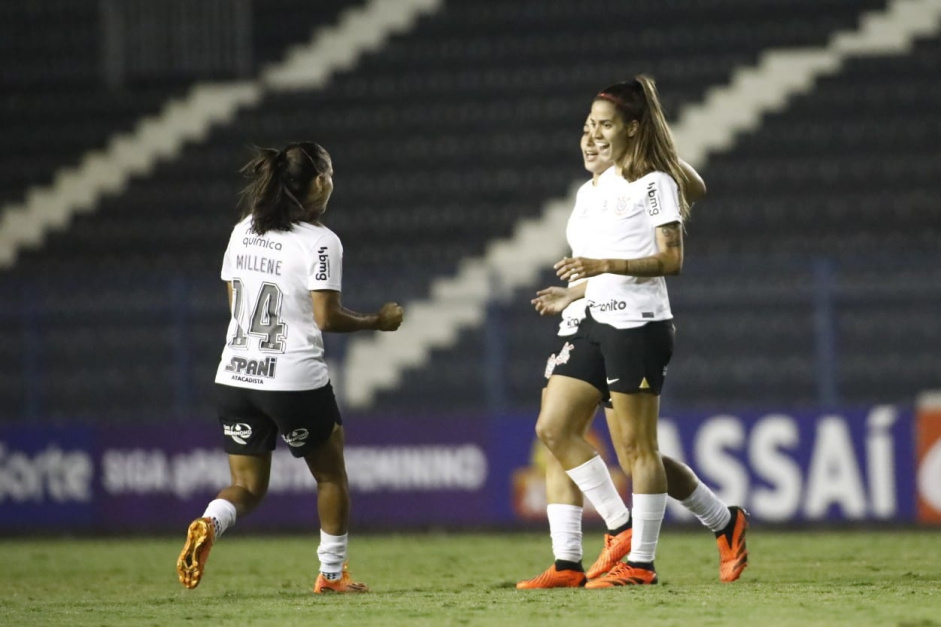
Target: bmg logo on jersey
x,y
240,432
323,264
653,199
253,367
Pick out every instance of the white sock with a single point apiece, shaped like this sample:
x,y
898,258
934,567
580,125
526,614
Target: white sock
x,y
708,508
222,513
594,480
332,554
565,529
648,515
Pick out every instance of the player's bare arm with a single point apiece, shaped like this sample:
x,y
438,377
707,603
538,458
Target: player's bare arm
x,y
694,187
668,260
333,317
552,300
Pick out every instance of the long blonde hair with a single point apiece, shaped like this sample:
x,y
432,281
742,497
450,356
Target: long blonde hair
x,y
652,148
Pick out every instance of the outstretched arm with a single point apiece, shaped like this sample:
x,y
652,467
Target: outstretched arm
x,y
552,300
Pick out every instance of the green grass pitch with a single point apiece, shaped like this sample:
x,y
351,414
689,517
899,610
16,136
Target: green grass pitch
x,y
796,578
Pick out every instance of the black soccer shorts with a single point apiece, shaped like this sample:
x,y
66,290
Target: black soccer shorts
x,y
252,419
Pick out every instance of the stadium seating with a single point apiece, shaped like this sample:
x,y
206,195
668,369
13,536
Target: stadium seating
x,y
56,105
443,140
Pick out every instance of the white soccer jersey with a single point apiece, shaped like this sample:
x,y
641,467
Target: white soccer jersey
x,y
273,342
586,197
622,224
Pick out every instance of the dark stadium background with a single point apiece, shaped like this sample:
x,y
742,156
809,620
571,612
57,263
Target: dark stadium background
x,y
812,284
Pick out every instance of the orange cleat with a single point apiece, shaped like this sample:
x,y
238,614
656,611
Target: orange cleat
x,y
615,548
192,561
343,585
625,575
733,556
554,578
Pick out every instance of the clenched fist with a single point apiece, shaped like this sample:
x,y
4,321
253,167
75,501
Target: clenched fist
x,y
390,317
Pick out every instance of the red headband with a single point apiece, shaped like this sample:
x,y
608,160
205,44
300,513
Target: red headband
x,y
613,99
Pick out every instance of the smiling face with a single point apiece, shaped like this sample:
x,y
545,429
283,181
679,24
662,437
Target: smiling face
x,y
593,161
611,133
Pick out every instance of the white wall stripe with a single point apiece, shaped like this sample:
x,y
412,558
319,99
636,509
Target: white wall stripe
x,y
376,362
189,119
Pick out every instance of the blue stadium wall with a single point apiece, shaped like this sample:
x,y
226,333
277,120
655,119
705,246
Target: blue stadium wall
x,y
860,465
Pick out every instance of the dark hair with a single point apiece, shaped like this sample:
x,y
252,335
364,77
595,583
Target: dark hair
x,y
280,182
653,148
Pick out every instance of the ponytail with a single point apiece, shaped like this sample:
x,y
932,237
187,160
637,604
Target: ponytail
x,y
653,148
280,181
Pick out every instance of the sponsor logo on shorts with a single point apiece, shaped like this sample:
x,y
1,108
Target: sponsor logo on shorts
x,y
296,438
240,432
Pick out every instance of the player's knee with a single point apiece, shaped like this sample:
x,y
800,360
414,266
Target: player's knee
x,y
260,494
253,493
627,455
645,451
552,437
630,450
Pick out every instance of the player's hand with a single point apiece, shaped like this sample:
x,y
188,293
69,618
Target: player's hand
x,y
552,300
390,317
575,268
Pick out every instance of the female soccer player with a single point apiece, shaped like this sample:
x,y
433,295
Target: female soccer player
x,y
564,509
628,242
283,270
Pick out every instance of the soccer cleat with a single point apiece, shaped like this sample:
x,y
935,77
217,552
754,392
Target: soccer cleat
x,y
733,556
343,585
554,578
192,561
615,548
625,575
